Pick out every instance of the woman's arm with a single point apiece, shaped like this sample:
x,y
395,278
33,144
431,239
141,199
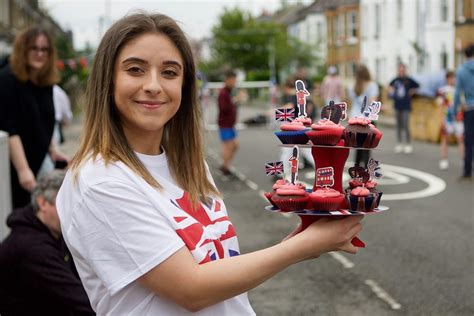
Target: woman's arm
x,y
17,155
180,279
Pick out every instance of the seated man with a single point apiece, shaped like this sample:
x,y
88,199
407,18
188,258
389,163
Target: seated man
x,y
37,274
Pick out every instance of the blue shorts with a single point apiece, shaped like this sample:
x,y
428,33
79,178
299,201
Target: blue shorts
x,y
227,134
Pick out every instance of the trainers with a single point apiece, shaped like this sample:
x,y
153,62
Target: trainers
x,y
398,149
443,164
408,149
225,171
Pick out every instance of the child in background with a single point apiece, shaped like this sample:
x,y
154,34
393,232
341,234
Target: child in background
x,y
452,123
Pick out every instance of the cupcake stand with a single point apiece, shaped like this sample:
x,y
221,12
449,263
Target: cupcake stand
x,y
335,157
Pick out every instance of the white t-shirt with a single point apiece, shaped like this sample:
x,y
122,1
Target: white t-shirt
x,y
62,105
118,227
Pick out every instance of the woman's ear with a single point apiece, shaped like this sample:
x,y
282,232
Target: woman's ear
x,y
41,201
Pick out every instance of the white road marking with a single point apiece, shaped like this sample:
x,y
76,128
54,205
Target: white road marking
x,y
383,295
346,263
251,184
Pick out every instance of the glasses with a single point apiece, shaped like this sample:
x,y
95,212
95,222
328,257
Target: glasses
x,y
38,50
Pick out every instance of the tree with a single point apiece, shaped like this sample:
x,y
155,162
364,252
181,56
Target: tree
x,y
256,46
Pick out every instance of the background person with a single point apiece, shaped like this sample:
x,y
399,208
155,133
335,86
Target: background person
x,y
332,87
465,86
37,274
27,109
451,124
139,210
401,90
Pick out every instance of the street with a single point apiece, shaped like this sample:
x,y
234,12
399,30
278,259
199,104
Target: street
x,y
419,254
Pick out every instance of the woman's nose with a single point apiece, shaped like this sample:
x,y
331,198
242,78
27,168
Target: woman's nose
x,y
152,84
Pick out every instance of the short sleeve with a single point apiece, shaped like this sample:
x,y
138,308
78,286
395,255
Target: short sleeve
x,y
120,233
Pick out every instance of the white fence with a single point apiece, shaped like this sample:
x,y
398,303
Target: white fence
x,y
5,197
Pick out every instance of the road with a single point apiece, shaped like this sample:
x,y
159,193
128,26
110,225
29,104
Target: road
x,y
419,255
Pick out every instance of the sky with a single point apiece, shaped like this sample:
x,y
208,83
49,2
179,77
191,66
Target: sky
x,y
196,17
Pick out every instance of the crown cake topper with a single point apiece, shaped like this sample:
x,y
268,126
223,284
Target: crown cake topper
x,y
332,112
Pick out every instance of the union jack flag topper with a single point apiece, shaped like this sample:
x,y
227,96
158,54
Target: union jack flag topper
x,y
274,168
284,115
373,110
301,94
294,164
373,167
325,177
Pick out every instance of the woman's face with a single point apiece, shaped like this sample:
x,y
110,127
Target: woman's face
x,y
148,77
38,53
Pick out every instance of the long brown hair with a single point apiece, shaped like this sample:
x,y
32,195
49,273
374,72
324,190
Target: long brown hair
x,y
361,79
182,136
48,75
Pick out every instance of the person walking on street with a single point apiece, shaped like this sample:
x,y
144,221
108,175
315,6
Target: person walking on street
x,y
27,109
139,209
465,86
37,273
227,118
401,90
332,88
451,121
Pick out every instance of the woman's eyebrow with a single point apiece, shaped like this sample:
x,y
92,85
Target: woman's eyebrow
x,y
134,59
172,62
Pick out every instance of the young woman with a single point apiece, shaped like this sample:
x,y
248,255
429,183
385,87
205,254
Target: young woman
x,y
138,207
27,109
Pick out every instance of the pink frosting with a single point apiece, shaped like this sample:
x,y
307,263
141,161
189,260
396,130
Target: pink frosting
x,y
360,191
370,184
305,120
355,183
326,124
359,121
291,189
326,193
279,183
293,126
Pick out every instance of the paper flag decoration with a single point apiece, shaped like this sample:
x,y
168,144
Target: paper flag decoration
x,y
356,172
325,177
274,168
284,115
332,112
301,94
373,167
373,110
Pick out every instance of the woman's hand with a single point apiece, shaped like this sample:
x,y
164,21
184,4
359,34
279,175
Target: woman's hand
x,y
56,155
27,179
328,234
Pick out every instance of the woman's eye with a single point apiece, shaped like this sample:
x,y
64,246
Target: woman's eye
x,y
134,70
170,73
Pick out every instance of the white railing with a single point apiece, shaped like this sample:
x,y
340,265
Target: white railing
x,y
5,196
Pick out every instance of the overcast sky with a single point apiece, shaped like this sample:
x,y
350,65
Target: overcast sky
x,y
196,17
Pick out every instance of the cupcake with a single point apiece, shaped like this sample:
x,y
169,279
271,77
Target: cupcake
x,y
378,135
325,132
291,197
371,185
326,199
276,185
305,120
293,133
360,199
359,133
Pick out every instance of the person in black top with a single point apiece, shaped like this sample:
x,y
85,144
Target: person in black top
x,y
27,109
37,274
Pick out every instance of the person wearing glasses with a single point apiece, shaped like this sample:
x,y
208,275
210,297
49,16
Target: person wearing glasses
x,y
27,109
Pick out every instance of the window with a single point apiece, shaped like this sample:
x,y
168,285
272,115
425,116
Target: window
x,y
377,24
444,58
351,24
340,27
472,9
334,30
399,14
444,10
378,69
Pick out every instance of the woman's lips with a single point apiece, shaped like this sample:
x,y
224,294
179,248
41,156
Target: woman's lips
x,y
150,104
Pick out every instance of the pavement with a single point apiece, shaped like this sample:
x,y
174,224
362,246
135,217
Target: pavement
x,y
419,254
